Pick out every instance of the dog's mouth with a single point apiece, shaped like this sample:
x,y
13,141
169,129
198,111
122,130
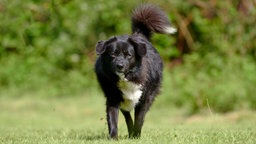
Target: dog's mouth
x,y
120,71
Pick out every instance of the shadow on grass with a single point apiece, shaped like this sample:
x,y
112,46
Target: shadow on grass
x,y
101,137
91,136
94,137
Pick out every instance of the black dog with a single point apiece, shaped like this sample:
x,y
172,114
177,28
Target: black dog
x,y
129,69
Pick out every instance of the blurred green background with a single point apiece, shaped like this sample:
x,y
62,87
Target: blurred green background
x,y
47,50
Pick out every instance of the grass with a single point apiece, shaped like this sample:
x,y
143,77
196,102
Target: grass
x,y
76,119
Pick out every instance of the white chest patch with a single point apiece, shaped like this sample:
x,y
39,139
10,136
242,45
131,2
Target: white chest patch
x,y
131,93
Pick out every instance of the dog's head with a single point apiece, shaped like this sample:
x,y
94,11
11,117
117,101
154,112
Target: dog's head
x,y
122,53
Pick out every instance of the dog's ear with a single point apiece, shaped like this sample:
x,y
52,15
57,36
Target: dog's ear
x,y
140,45
100,49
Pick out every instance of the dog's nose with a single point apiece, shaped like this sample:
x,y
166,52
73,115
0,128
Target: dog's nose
x,y
120,66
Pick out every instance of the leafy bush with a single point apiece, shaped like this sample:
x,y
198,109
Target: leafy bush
x,y
199,85
48,47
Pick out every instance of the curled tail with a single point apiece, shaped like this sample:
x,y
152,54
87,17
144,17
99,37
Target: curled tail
x,y
147,19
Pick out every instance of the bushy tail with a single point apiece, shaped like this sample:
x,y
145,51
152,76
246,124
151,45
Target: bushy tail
x,y
147,19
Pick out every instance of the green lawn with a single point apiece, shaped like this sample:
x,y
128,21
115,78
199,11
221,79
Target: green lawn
x,y
82,120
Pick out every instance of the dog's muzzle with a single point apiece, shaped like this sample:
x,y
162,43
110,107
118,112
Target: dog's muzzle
x,y
120,68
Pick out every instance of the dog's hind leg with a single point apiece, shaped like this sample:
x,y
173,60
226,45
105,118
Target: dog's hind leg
x,y
129,122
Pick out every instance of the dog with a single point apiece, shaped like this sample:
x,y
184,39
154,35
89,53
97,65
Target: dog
x,y
129,69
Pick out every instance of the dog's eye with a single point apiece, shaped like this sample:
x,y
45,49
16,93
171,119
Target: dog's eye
x,y
114,54
129,55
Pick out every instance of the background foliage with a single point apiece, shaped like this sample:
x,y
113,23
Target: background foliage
x,y
47,49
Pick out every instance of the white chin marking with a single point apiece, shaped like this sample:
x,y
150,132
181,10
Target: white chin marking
x,y
170,30
121,76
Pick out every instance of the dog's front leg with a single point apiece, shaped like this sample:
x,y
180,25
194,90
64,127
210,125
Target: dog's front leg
x,y
112,118
129,122
140,112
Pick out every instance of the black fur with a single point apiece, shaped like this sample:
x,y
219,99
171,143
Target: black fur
x,y
131,59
